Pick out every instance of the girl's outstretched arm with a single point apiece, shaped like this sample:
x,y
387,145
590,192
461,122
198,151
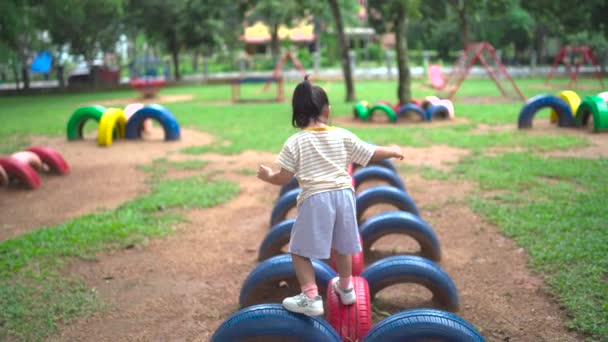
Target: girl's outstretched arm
x,y
383,152
281,177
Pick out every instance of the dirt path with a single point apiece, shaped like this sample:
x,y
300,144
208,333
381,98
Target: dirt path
x,y
184,286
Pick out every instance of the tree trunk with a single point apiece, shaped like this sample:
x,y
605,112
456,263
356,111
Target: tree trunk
x,y
16,74
274,43
25,75
173,46
348,78
195,60
464,26
404,92
61,76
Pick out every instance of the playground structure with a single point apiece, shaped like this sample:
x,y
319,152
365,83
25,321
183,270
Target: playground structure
x,y
567,110
574,57
428,109
113,123
274,278
237,82
484,53
23,166
146,75
277,70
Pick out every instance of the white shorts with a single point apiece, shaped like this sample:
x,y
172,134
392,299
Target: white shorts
x,y
326,220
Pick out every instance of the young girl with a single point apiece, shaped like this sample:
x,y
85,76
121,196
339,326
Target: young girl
x,y
318,156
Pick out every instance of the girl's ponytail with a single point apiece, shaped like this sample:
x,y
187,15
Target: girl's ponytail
x,y
307,103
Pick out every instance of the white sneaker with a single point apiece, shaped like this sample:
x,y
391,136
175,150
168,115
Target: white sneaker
x,y
348,296
304,305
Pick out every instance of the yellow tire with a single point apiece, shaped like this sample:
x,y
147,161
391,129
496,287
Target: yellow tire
x,y
112,120
571,99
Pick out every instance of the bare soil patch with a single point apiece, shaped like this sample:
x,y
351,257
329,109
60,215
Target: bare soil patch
x,y
182,287
157,99
100,178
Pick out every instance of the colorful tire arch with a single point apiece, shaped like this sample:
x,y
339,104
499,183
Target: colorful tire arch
x,y
23,172
595,107
80,117
113,119
3,177
164,117
571,98
52,159
533,105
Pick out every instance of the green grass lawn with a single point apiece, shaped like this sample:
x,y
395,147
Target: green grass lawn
x,y
553,207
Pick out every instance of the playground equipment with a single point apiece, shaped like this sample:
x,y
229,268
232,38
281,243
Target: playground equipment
x,y
236,87
22,166
112,123
147,77
431,107
277,70
577,55
533,105
595,107
158,113
411,108
365,112
374,172
130,109
274,279
436,76
484,53
80,117
604,96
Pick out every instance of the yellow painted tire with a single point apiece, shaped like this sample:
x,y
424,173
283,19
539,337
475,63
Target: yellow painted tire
x,y
113,119
571,98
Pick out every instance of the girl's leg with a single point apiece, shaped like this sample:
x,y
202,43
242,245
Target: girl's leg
x,y
344,266
305,274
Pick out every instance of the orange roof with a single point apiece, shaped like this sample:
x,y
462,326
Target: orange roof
x,y
260,33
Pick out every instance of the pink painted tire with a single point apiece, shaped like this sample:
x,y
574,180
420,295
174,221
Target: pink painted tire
x,y
449,106
3,177
604,96
134,107
22,171
29,158
428,101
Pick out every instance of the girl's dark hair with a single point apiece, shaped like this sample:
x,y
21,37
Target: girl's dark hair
x,y
307,103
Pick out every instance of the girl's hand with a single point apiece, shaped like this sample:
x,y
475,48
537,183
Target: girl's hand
x,y
264,172
397,152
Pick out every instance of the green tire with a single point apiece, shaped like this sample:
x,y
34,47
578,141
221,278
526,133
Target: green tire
x,y
592,106
361,110
386,109
80,117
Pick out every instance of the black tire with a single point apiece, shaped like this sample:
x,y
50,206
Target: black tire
x,y
374,172
387,163
293,184
436,111
404,223
287,202
413,269
277,237
533,105
388,195
411,107
271,322
274,279
422,325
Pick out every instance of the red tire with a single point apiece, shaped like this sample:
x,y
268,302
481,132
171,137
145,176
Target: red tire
x,y
16,169
351,322
3,177
30,158
52,159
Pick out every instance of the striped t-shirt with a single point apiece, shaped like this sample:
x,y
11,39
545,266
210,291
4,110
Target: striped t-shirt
x,y
319,158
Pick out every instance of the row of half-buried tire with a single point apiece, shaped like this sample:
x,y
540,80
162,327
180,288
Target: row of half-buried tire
x,y
260,321
132,128
364,112
591,107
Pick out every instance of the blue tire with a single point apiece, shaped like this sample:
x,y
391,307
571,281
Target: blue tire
x,y
277,237
266,321
404,223
287,202
533,105
387,163
422,325
436,111
378,173
412,269
411,107
274,279
293,184
387,195
158,113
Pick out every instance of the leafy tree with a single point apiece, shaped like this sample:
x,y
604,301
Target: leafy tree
x,y
393,16
275,13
